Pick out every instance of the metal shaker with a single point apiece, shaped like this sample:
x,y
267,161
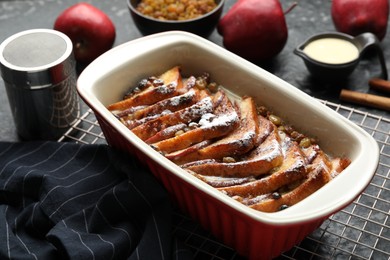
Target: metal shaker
x,y
39,72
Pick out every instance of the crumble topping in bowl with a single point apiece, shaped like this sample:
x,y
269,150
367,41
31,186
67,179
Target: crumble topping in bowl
x,y
175,9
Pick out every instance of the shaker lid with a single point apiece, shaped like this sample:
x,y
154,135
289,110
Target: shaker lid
x,y
36,58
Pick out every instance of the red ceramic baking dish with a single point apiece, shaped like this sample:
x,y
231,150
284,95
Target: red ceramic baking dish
x,y
252,233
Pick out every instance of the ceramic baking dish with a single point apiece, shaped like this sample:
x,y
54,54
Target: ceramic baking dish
x,y
252,233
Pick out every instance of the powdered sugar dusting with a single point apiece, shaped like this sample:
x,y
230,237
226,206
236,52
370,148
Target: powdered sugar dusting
x,y
177,100
166,89
210,120
204,106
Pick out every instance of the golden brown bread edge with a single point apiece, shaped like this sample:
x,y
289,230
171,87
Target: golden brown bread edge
x,y
237,147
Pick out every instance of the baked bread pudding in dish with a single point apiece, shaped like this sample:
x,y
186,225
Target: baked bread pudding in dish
x,y
229,142
221,200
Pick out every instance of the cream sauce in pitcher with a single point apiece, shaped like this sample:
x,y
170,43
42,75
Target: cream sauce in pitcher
x,y
332,51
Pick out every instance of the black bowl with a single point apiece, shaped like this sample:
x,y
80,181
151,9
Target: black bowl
x,y
202,26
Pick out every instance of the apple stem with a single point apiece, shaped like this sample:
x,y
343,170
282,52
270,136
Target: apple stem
x,y
292,6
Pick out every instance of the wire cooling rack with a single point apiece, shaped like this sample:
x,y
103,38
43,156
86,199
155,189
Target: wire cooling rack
x,y
359,231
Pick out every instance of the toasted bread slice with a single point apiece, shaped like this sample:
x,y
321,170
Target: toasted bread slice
x,y
186,115
218,181
260,161
127,111
166,133
320,173
238,142
264,129
172,104
130,124
152,82
292,169
338,165
224,121
148,113
172,80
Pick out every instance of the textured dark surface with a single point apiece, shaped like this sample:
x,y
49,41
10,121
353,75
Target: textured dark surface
x,y
361,230
306,19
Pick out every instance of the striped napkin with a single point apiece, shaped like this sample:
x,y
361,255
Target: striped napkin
x,y
75,201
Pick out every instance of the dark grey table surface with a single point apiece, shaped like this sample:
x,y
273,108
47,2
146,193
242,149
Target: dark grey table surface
x,y
308,18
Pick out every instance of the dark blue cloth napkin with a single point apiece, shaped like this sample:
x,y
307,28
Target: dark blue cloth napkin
x,y
75,201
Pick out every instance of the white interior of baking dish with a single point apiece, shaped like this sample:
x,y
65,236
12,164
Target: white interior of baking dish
x,y
106,79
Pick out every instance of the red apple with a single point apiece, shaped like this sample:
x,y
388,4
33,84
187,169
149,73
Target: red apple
x,y
358,16
254,29
92,32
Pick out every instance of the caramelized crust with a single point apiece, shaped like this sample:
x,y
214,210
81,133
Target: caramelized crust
x,y
172,104
147,113
172,83
264,129
220,123
292,169
166,133
187,115
240,149
241,140
307,188
218,181
318,176
260,161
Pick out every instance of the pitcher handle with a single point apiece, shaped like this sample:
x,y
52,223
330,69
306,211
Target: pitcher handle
x,y
369,40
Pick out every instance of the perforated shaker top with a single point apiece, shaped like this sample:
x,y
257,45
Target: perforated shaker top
x,y
30,56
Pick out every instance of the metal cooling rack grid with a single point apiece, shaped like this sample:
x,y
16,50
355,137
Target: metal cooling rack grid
x,y
359,231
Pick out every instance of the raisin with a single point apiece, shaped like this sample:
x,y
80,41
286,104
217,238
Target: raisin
x,y
284,206
276,195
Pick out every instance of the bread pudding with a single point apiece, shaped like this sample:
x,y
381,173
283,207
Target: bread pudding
x,y
233,144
